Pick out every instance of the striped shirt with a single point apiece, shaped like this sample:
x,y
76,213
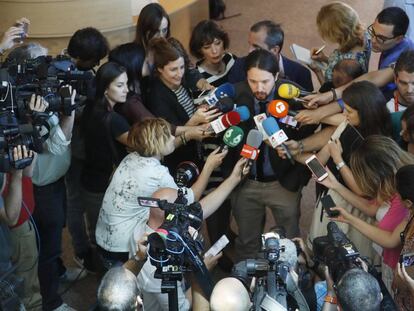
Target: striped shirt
x,y
185,100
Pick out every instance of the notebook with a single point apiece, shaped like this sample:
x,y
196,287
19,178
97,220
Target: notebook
x,y
304,55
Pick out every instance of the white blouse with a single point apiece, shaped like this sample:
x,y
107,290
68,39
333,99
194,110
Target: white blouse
x,y
120,213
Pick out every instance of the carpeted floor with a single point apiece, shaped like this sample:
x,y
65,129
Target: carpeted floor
x,y
298,21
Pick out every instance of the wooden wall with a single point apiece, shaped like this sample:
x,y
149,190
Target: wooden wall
x,y
54,21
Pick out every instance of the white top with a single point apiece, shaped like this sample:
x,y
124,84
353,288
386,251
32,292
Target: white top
x,y
54,162
391,106
120,213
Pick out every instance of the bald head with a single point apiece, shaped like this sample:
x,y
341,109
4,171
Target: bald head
x,y
229,294
156,216
118,290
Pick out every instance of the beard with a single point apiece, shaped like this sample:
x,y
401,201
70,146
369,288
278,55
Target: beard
x,y
260,95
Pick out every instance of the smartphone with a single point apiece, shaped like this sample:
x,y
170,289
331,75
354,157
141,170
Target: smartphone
x,y
23,34
218,246
316,168
327,204
407,259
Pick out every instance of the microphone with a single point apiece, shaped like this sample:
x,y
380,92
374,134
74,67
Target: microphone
x,y
232,137
289,91
224,90
250,149
244,113
224,105
280,109
186,174
276,136
225,121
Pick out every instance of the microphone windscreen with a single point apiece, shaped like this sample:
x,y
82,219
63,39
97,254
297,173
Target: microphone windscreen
x,y
243,112
230,118
233,136
254,138
225,104
288,91
225,90
270,126
290,254
278,108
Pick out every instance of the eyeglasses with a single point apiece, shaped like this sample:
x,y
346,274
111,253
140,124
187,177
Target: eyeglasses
x,y
379,38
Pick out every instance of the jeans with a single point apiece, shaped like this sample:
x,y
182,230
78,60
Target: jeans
x,y
49,216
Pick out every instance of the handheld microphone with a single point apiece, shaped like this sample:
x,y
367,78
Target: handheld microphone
x,y
289,91
276,136
244,113
250,149
224,90
232,137
280,109
186,174
224,105
225,121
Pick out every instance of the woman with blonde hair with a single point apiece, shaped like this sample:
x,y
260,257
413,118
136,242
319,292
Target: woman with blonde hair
x,y
339,23
374,165
140,174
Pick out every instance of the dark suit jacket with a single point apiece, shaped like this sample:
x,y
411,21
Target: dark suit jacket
x,y
292,177
293,71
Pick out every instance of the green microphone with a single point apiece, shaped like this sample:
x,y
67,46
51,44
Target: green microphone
x,y
232,137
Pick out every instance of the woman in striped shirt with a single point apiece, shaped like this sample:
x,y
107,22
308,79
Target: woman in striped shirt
x,y
170,98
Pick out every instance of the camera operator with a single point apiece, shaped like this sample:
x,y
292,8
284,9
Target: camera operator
x,y
11,215
119,287
356,290
151,287
50,196
87,47
22,230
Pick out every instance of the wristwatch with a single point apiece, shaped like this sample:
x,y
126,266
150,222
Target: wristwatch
x,y
330,299
340,165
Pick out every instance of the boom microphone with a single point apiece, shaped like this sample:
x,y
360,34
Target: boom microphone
x,y
280,109
276,136
250,149
232,137
289,91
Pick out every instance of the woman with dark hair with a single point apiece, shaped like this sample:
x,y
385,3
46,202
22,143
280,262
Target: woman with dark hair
x,y
407,129
170,97
105,133
365,114
153,22
208,43
131,56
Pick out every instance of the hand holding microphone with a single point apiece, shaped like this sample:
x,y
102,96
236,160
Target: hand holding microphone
x,y
204,115
225,121
276,136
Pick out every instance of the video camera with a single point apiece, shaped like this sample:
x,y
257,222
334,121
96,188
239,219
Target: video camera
x,y
271,273
336,251
44,76
172,249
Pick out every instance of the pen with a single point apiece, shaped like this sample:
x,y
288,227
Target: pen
x,y
320,50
